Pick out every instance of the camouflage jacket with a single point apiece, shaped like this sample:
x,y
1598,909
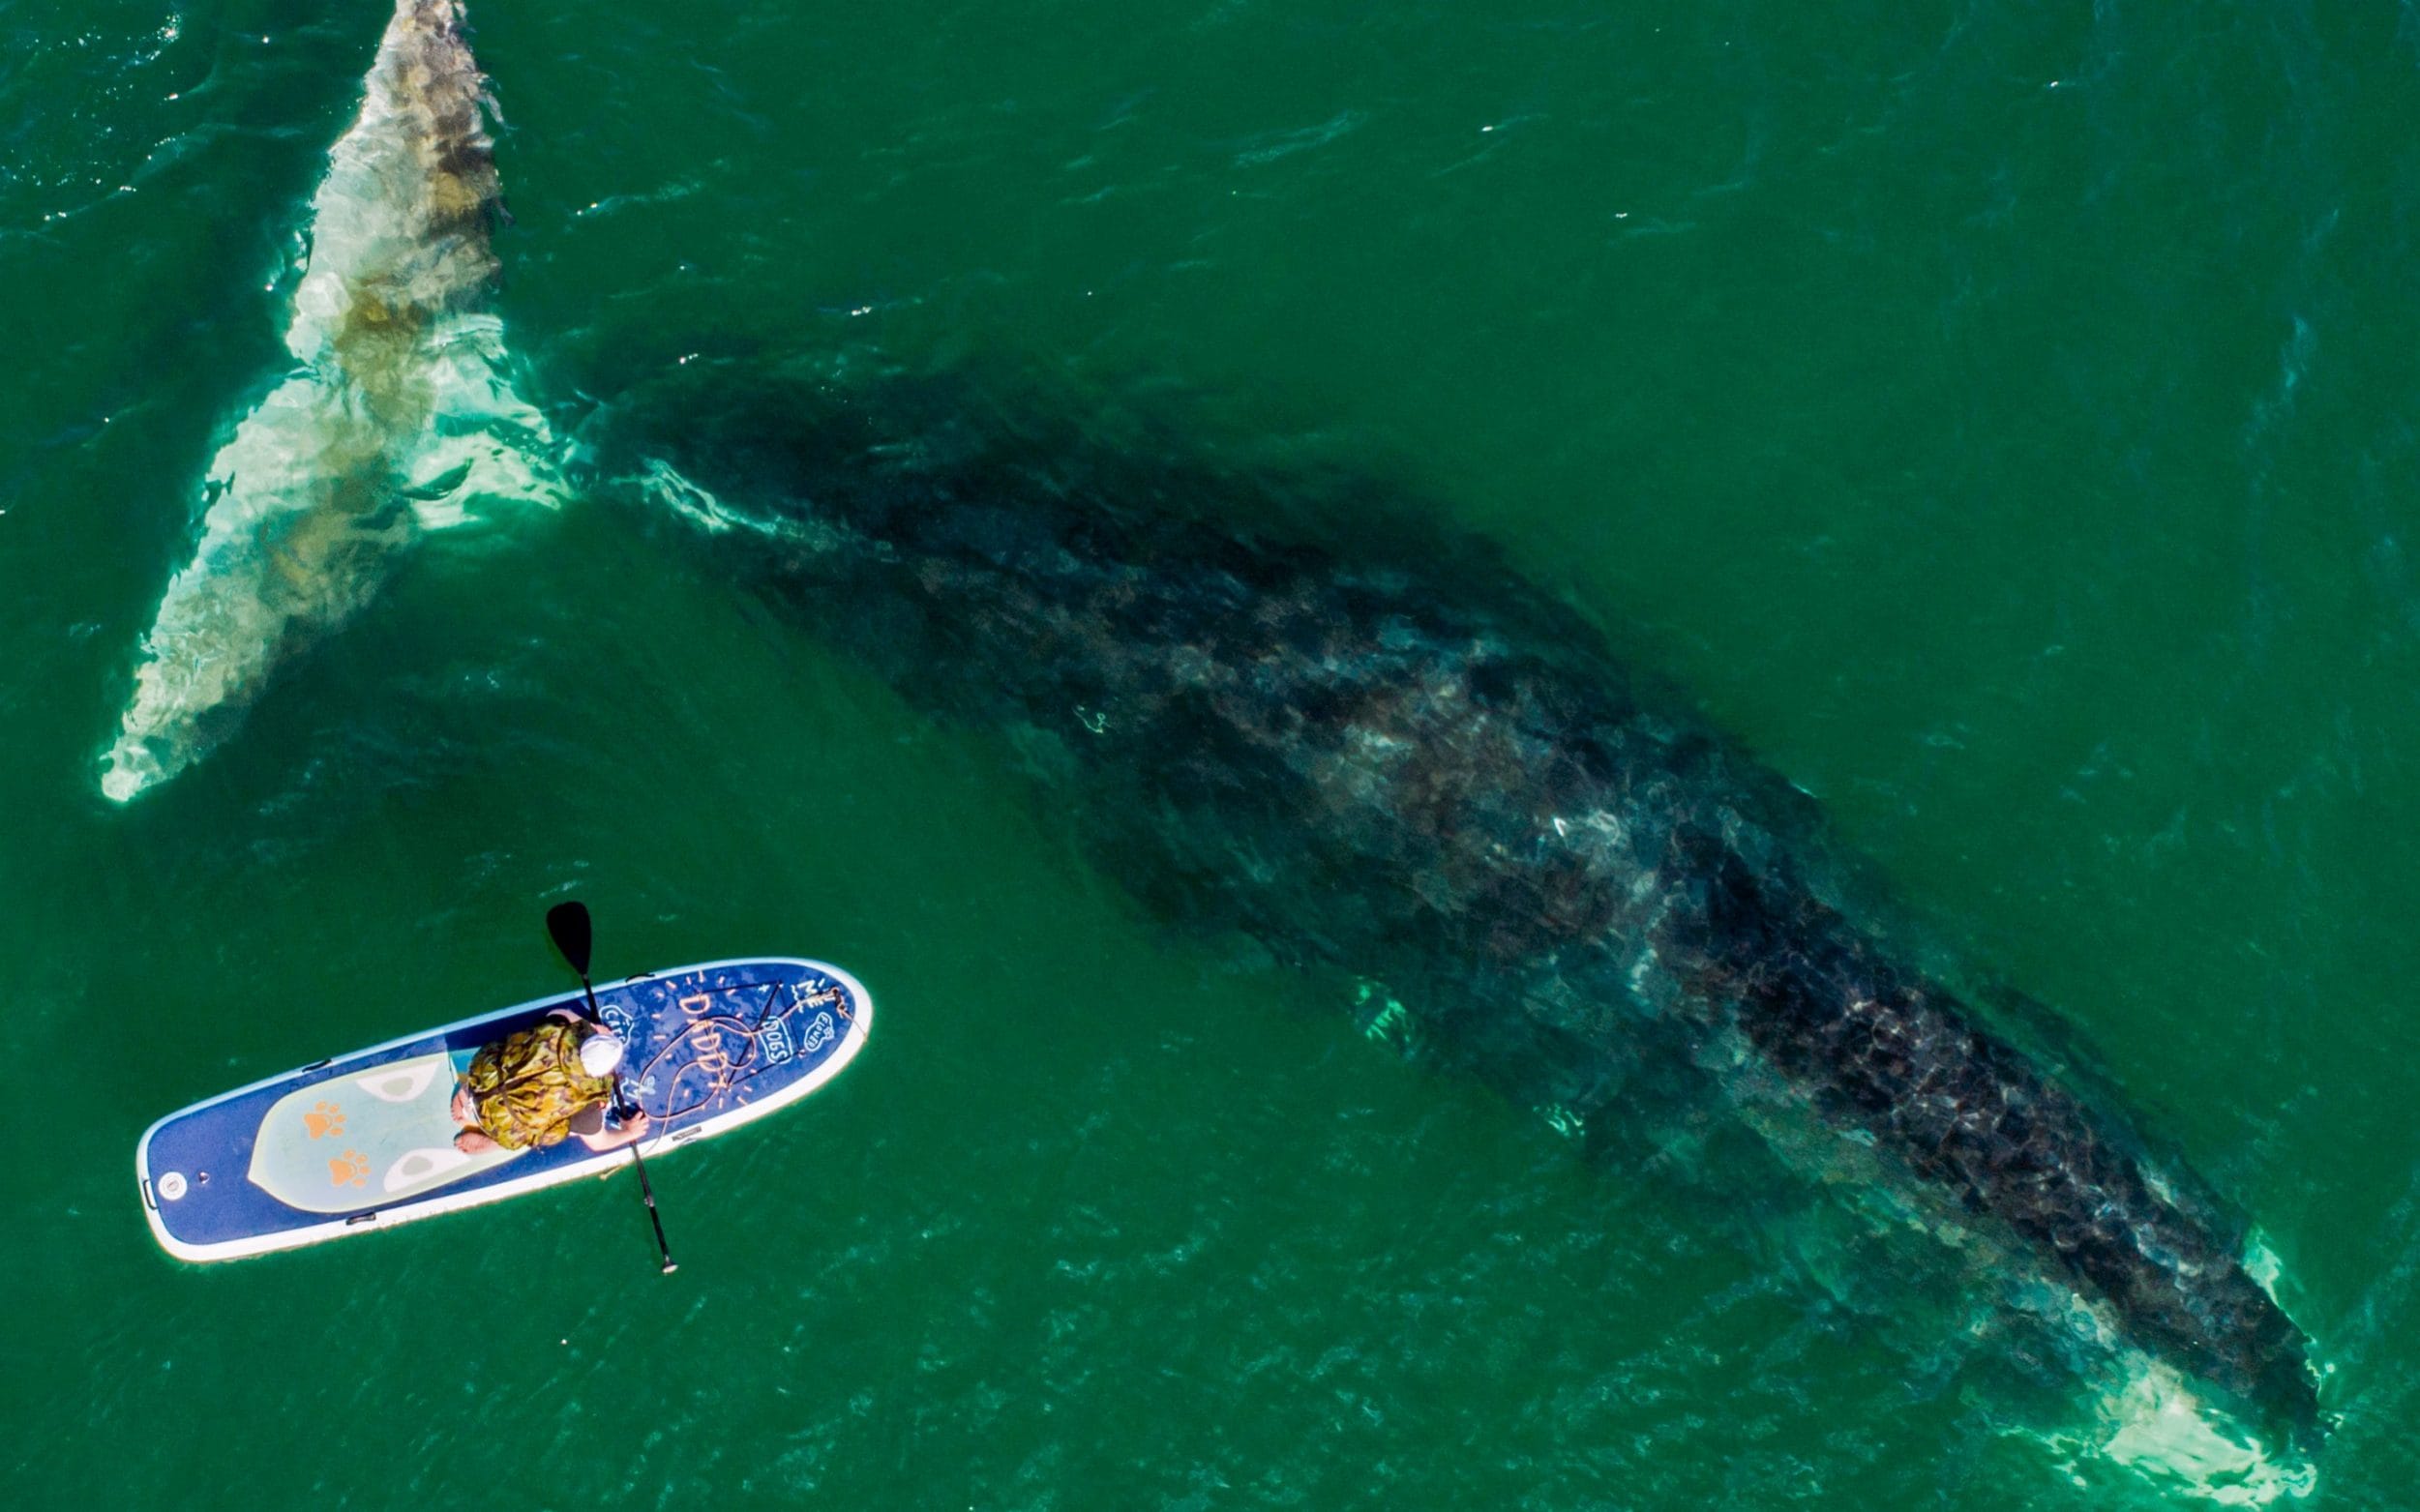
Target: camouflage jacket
x,y
526,1089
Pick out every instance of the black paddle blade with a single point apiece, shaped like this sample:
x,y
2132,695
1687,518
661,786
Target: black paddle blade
x,y
567,922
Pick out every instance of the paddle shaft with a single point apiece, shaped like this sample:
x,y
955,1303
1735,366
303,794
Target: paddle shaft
x,y
567,924
663,1250
638,1161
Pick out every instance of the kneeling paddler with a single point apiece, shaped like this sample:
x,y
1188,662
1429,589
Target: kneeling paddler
x,y
534,1088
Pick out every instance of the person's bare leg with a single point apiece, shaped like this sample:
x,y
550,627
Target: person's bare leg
x,y
470,1139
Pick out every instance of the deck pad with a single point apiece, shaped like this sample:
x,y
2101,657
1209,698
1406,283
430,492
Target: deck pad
x,y
367,1140
336,1145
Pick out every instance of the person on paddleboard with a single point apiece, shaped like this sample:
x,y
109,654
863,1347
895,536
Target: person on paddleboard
x,y
532,1088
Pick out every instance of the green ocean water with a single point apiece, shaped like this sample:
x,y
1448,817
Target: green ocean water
x,y
1999,417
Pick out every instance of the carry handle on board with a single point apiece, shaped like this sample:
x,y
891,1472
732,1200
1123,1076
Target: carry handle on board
x,y
567,925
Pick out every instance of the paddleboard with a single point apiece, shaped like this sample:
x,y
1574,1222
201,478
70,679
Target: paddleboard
x,y
365,1142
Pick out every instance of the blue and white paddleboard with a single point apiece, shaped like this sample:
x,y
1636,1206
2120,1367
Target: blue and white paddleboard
x,y
365,1140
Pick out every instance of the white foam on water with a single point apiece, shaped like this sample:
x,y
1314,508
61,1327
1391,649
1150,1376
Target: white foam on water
x,y
2154,1426
706,510
2150,1426
2162,1430
2261,1264
401,416
698,505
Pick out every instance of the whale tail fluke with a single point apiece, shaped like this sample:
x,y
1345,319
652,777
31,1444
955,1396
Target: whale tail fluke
x,y
403,416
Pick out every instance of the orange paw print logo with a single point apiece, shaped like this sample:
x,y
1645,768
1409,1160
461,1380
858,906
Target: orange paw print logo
x,y
324,1119
350,1169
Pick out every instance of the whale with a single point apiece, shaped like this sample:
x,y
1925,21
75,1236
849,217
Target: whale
x,y
1378,754
398,415
1382,755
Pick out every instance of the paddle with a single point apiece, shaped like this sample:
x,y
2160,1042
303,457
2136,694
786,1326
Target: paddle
x,y
567,925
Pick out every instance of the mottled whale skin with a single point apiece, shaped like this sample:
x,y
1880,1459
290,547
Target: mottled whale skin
x,y
396,413
1431,774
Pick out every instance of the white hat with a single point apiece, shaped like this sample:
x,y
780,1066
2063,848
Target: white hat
x,y
600,1053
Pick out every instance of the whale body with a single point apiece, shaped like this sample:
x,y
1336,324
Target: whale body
x,y
1409,766
398,415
